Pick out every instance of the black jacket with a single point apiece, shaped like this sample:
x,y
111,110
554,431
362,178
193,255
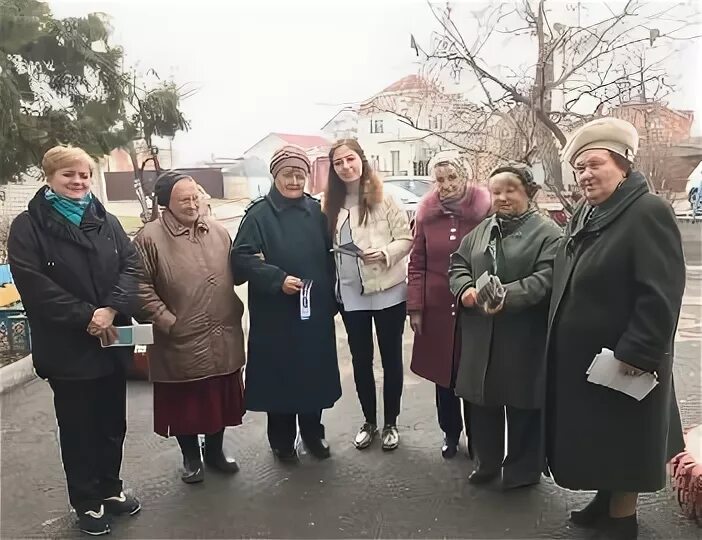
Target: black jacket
x,y
292,364
63,274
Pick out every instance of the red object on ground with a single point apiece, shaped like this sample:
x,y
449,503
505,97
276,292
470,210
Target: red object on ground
x,y
139,370
687,482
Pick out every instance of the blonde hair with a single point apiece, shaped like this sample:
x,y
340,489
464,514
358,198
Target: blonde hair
x,y
60,157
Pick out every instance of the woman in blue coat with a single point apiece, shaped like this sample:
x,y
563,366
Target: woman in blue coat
x,y
283,251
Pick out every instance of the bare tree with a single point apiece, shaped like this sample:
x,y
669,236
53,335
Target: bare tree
x,y
574,69
442,119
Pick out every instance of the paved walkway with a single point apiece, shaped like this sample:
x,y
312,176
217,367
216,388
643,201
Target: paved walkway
x,y
410,493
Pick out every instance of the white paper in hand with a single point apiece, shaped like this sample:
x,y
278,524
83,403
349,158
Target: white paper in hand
x,y
605,370
305,306
482,282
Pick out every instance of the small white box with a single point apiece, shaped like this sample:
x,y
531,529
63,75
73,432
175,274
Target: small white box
x,y
129,336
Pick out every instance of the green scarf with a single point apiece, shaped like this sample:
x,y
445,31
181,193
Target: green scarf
x,y
71,209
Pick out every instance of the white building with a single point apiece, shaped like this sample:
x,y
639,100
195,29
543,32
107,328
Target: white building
x,y
314,145
343,125
396,126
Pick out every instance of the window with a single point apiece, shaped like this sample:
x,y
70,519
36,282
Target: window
x,y
376,126
395,154
437,122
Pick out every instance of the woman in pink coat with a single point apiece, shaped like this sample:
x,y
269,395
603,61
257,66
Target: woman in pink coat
x,y
445,215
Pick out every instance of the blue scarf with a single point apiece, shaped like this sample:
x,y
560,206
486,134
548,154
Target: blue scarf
x,y
71,209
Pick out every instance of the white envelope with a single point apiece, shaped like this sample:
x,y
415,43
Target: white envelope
x,y
605,371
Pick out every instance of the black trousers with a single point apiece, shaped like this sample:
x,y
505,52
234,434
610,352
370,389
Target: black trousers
x,y
282,428
92,420
452,416
524,461
389,326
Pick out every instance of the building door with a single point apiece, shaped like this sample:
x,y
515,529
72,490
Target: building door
x,y
395,162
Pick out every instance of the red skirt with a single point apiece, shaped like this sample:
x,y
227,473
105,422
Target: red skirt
x,y
198,407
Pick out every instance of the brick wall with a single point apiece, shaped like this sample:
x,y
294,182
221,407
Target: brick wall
x,y
656,123
15,197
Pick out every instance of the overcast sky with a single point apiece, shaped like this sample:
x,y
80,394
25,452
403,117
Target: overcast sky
x,y
279,65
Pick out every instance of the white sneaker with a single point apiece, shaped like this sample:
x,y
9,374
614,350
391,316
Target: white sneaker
x,y
365,436
391,438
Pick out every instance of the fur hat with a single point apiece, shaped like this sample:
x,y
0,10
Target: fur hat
x,y
613,134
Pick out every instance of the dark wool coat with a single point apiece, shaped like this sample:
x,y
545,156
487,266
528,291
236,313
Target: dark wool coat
x,y
618,283
292,364
438,233
502,356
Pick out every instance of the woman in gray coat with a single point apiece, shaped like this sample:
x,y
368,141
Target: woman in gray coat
x,y
502,367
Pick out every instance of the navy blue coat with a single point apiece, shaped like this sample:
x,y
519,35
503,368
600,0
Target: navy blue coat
x,y
292,365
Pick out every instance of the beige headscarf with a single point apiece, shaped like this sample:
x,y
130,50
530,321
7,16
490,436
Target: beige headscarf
x,y
450,157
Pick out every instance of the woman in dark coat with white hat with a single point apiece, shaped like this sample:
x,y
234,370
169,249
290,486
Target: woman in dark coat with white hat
x,y
619,278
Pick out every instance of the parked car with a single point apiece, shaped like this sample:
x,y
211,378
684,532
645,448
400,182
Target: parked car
x,y
419,185
407,190
408,199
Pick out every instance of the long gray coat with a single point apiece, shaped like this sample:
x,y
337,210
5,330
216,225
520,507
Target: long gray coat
x,y
618,283
502,356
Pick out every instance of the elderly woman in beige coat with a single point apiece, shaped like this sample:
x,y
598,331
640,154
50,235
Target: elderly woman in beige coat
x,y
187,291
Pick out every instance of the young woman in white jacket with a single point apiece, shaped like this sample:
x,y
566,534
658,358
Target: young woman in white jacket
x,y
372,285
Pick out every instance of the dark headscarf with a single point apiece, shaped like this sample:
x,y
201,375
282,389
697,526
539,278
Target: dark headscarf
x,y
164,186
524,174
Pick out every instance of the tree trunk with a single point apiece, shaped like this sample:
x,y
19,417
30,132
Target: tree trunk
x,y
138,184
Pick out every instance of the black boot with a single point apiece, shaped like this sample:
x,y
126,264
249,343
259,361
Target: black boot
x,y
193,469
483,475
450,447
594,513
214,454
316,443
626,528
286,455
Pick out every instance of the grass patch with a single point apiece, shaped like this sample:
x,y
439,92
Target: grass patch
x,y
131,224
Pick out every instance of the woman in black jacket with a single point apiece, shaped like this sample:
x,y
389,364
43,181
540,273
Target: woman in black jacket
x,y
75,270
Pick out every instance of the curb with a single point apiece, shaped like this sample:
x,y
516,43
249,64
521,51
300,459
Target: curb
x,y
17,373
